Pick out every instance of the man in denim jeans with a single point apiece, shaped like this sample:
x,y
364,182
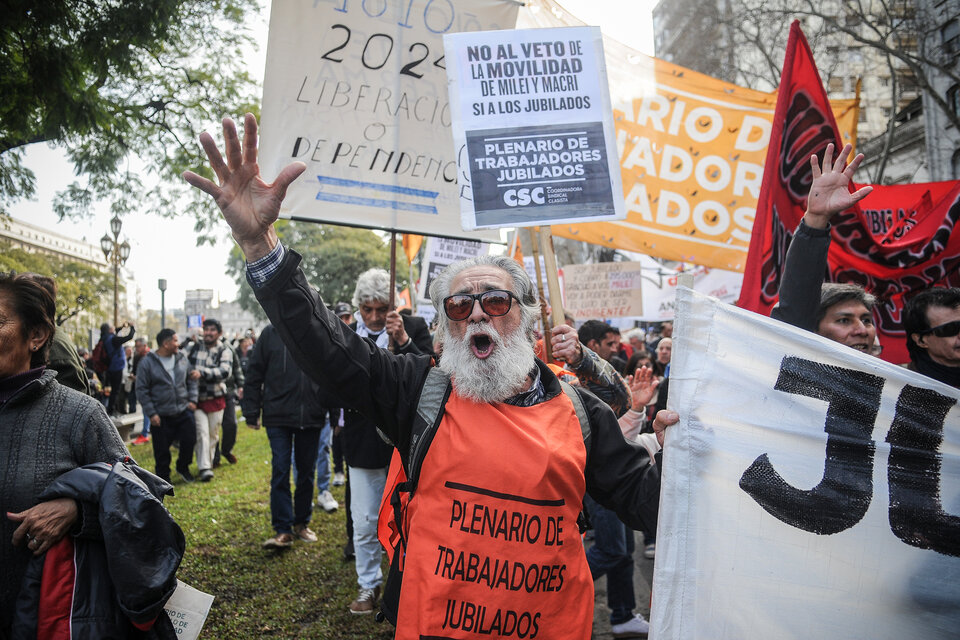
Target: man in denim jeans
x,y
288,401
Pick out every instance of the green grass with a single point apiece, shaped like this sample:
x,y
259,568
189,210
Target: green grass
x,y
301,592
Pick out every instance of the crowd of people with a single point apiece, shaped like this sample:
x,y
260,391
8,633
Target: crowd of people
x,y
491,435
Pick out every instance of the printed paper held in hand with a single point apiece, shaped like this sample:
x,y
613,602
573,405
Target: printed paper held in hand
x,y
188,609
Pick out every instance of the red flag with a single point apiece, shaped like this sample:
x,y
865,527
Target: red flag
x,y
899,240
803,124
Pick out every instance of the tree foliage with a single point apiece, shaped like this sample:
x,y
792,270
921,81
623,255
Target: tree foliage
x,y
904,38
80,287
333,257
112,82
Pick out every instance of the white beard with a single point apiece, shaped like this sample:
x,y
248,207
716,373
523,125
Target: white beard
x,y
495,378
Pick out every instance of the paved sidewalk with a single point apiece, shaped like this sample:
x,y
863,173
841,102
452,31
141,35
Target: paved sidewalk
x,y
642,579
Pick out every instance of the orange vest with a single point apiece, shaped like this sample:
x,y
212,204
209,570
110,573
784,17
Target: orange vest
x,y
494,550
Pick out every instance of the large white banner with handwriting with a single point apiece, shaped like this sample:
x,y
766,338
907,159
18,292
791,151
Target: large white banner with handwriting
x,y
356,89
809,491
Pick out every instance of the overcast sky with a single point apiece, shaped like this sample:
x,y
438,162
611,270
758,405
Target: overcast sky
x,y
165,248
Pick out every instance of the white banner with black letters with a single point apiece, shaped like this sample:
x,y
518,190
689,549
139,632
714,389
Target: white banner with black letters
x,y
533,109
809,491
357,90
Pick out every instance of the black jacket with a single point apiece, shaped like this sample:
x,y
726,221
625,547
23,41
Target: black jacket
x,y
130,584
386,389
804,271
278,387
362,445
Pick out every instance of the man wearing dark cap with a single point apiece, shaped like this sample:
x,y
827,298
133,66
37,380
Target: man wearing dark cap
x,y
343,311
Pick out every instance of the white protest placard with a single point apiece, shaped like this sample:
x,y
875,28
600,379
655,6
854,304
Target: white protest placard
x,y
188,609
659,298
530,266
809,490
603,290
441,252
532,108
357,90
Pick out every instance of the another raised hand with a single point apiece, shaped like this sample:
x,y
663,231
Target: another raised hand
x,y
249,205
643,385
830,189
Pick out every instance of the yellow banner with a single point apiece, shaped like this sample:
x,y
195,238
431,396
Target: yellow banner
x,y
691,156
691,162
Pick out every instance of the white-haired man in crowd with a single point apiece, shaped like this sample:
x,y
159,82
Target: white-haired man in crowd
x,y
492,547
366,454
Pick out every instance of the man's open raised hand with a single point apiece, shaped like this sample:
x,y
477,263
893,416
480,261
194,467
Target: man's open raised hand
x,y
830,190
249,205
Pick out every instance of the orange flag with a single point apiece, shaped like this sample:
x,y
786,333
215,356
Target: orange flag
x,y
411,245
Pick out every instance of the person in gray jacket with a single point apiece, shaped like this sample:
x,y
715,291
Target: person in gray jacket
x,y
168,395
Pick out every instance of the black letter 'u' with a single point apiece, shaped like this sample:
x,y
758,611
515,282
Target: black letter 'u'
x,y
842,497
916,512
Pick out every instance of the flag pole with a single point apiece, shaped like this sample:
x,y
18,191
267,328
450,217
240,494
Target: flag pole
x,y
553,275
547,350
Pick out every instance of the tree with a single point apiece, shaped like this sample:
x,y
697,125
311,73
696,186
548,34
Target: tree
x,y
897,40
80,287
110,82
333,257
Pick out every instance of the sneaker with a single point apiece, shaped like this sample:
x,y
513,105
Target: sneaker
x,y
635,627
339,480
279,541
366,601
327,502
142,439
206,475
303,532
232,459
650,551
186,476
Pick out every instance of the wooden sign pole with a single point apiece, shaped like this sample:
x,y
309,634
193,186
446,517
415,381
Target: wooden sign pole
x,y
553,277
547,349
393,270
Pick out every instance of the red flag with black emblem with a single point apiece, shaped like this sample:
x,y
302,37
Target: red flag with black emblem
x,y
899,240
803,124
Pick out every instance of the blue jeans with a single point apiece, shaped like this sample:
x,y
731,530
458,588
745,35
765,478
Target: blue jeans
x,y
301,443
366,489
323,457
612,555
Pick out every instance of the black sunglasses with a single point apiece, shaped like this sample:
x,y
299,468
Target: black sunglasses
x,y
946,330
496,302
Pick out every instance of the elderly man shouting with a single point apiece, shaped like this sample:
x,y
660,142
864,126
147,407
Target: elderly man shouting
x,y
492,542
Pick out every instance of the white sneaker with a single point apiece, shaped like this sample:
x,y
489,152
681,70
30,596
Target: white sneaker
x,y
339,480
635,627
650,551
327,502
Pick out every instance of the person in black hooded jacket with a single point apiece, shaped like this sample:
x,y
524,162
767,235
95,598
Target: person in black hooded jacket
x,y
289,403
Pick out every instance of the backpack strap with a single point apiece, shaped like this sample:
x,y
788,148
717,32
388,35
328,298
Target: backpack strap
x,y
433,396
581,412
585,431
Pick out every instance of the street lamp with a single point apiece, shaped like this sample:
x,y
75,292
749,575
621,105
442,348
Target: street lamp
x,y
162,284
116,254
